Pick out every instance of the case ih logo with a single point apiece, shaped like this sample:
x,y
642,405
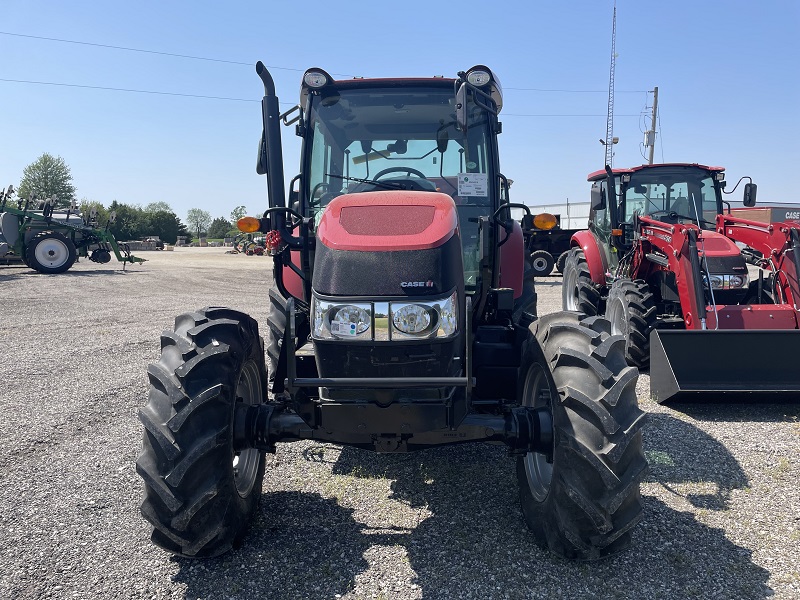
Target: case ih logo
x,y
416,284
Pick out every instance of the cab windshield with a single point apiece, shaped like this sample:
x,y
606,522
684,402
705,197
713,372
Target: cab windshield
x,y
673,195
402,138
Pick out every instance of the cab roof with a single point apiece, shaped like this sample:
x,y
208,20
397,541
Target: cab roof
x,y
601,174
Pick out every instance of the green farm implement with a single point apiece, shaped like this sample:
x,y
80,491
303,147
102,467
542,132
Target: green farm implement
x,y
50,241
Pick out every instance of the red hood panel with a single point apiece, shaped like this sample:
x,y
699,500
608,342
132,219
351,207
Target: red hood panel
x,y
388,220
716,244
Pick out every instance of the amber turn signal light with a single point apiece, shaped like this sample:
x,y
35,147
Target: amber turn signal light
x,y
545,221
248,224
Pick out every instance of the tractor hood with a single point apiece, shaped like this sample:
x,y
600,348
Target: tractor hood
x,y
388,220
392,243
716,244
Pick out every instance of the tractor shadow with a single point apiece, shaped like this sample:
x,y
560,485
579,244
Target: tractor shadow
x,y
447,522
727,411
11,273
300,545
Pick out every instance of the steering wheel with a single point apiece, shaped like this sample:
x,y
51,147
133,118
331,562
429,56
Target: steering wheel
x,y
409,170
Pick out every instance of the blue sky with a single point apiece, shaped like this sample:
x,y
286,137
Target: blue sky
x,y
727,71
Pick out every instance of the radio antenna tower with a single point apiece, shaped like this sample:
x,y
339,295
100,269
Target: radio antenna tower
x,y
609,143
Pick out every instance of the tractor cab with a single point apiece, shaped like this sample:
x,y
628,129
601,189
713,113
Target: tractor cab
x,y
367,135
678,193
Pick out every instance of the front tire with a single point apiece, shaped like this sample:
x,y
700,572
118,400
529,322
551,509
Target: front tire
x,y
50,253
585,501
200,492
631,308
578,291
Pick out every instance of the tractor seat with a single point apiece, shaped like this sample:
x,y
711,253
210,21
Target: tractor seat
x,y
681,206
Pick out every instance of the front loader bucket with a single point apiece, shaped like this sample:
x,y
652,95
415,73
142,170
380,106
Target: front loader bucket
x,y
730,364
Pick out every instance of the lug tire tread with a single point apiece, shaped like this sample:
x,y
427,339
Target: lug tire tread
x,y
191,499
594,500
642,313
587,295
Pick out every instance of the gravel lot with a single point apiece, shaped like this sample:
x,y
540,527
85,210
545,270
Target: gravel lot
x,y
722,502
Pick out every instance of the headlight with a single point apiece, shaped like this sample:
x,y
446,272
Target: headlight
x,y
385,321
333,320
412,319
727,282
738,281
424,319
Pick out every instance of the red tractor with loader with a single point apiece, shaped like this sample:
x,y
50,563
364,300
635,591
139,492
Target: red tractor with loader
x,y
660,260
401,318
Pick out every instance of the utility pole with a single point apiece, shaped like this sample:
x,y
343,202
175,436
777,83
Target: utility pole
x,y
651,135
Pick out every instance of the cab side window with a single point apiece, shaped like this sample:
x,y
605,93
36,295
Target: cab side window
x,y
601,219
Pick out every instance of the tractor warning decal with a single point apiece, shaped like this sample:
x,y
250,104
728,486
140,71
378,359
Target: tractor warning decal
x,y
473,184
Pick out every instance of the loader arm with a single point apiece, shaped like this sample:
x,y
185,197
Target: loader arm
x,y
672,242
778,243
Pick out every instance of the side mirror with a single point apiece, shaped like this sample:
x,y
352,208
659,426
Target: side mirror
x,y
749,194
441,139
598,200
261,161
461,107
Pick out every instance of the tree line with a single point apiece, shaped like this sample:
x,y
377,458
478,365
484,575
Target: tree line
x,y
50,176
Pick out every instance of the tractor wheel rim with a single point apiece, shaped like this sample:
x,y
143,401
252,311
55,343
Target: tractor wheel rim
x,y
539,264
617,315
536,393
571,285
246,462
51,252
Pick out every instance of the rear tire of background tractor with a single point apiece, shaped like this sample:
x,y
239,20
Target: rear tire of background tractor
x,y
631,308
585,502
200,493
542,263
50,253
578,291
562,258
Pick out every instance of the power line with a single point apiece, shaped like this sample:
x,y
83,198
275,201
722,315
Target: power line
x,y
575,91
250,64
112,89
205,97
529,115
144,51
127,49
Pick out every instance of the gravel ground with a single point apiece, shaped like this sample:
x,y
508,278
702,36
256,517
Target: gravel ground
x,y
722,507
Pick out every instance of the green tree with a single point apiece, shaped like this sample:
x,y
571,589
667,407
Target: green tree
x,y
160,206
165,224
198,220
219,228
131,222
237,213
101,212
48,176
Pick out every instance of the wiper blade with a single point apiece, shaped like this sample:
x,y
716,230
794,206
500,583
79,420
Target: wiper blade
x,y
392,185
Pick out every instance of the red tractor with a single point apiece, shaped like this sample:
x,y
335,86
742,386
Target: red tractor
x,y
401,318
660,260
